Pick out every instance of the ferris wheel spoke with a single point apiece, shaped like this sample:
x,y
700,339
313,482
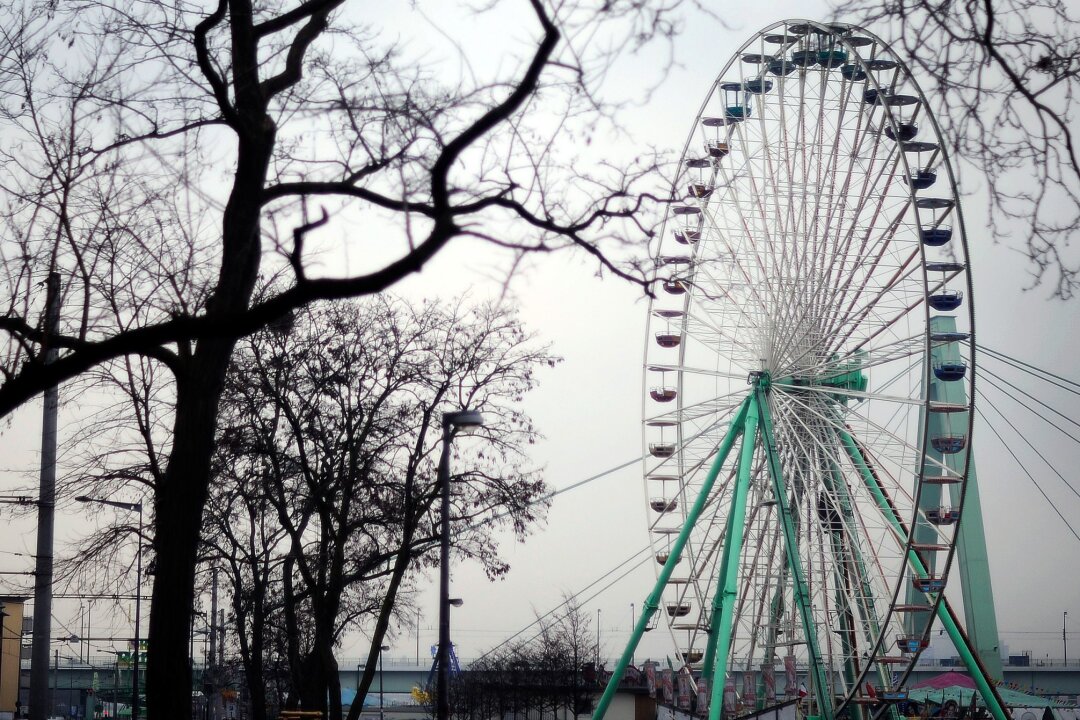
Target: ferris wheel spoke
x,y
811,258
897,442
707,372
905,348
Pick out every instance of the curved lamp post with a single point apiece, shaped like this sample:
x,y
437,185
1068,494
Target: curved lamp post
x,y
132,507
451,421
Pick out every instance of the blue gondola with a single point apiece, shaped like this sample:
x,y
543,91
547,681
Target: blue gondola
x,y
946,300
949,336
880,64
936,236
934,203
922,179
899,99
943,516
832,58
905,132
781,67
928,584
944,266
910,644
853,73
737,112
949,444
950,371
918,146
870,97
805,58
758,85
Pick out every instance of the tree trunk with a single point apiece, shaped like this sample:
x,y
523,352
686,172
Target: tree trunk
x,y
252,648
178,507
179,499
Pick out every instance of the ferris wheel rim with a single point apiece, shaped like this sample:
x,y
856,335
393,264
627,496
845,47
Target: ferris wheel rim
x,y
923,266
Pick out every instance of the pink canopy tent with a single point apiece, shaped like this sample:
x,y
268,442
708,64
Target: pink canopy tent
x,y
947,680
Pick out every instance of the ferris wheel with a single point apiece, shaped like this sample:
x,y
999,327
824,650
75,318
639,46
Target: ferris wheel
x,y
808,380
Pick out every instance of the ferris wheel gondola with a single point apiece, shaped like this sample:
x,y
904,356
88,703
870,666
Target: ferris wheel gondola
x,y
821,311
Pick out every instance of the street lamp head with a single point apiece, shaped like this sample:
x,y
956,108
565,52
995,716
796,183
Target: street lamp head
x,y
463,419
135,507
456,602
384,647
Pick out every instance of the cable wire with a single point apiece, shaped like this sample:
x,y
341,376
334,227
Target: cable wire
x,y
982,394
574,596
1032,370
1027,407
1030,476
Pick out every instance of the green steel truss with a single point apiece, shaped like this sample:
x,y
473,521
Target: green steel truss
x,y
753,423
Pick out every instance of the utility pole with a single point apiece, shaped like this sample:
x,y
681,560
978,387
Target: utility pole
x,y
213,618
210,673
43,575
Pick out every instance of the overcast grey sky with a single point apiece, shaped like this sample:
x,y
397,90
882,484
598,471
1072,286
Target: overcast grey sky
x,y
589,407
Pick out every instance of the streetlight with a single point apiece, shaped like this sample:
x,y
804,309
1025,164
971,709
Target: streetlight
x,y
3,620
1064,639
597,641
132,507
451,421
632,630
382,703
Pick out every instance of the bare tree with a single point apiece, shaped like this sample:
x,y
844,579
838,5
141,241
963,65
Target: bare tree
x,y
552,674
325,479
161,156
1003,76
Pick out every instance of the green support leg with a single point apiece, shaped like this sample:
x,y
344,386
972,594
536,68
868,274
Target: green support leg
x,y
944,612
837,485
720,627
652,603
802,590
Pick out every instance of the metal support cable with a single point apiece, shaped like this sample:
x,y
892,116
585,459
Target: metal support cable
x,y
1033,370
1030,476
1031,397
994,384
982,394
